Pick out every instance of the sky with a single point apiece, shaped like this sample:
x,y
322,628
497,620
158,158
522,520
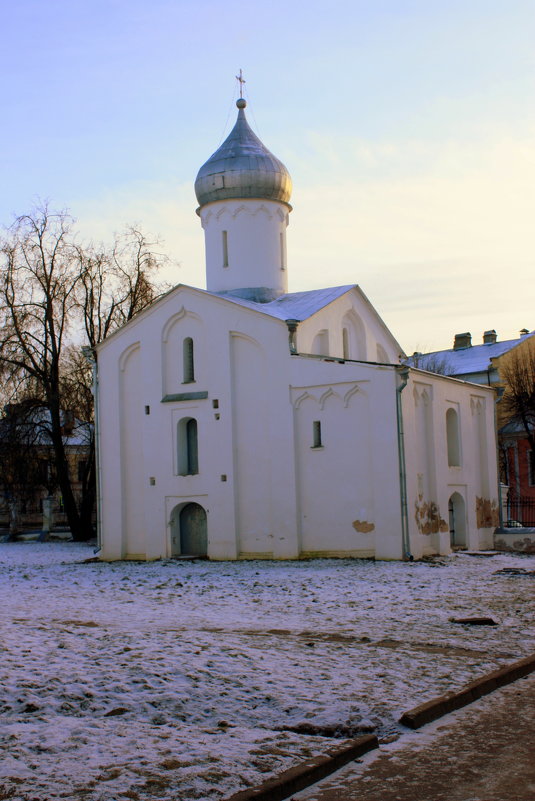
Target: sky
x,y
408,127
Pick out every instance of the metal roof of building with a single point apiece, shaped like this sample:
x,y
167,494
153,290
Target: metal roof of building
x,y
242,167
465,361
294,305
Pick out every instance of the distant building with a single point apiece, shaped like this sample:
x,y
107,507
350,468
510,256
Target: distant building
x,y
243,421
27,468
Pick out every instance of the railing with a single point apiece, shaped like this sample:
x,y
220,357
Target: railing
x,y
519,513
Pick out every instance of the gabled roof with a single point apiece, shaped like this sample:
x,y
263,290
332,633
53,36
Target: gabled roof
x,y
294,305
291,306
465,361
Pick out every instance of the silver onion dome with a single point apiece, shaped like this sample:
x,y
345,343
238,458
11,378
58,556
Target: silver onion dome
x,y
242,168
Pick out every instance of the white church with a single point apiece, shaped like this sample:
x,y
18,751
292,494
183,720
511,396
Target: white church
x,y
241,421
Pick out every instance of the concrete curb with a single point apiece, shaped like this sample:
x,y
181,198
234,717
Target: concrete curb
x,y
437,707
312,770
307,773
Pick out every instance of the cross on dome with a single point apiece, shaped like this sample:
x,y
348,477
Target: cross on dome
x,y
241,80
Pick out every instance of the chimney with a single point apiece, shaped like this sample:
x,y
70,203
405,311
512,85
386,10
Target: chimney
x,y
523,332
489,337
462,341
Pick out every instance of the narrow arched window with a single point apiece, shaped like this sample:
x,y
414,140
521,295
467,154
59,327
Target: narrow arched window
x,y
187,361
452,432
187,447
345,343
224,240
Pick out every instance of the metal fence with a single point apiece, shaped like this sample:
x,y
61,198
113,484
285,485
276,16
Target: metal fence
x,y
520,513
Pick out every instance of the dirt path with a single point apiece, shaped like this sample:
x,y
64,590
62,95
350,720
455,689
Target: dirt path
x,y
484,752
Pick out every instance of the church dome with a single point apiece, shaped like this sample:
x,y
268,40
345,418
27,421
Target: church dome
x,y
242,168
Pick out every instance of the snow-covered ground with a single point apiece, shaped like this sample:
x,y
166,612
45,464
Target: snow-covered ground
x,y
182,680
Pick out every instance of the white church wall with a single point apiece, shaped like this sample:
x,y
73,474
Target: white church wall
x,y
336,499
348,485
437,474
215,437
245,244
245,442
347,328
252,448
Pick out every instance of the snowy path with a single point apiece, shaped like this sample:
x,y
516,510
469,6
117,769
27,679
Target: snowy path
x,y
180,680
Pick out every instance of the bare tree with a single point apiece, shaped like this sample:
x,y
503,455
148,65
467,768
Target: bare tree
x,y
518,375
118,283
432,362
53,293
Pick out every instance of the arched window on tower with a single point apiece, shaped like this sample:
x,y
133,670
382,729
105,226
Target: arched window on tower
x,y
187,361
187,447
224,241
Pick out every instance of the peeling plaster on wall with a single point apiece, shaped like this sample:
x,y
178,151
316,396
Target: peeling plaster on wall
x,y
363,526
427,516
526,545
487,513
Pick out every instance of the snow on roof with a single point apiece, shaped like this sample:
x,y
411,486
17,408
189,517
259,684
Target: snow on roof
x,y
294,305
474,359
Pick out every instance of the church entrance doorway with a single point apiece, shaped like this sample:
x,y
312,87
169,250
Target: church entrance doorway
x,y
457,515
189,536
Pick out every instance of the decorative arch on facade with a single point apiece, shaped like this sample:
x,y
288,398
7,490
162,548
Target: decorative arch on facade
x,y
382,355
325,396
422,393
302,398
125,355
354,338
252,211
251,340
175,318
320,343
351,394
206,216
476,405
181,342
480,439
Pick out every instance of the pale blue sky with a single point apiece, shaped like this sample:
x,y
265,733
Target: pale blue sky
x,y
408,128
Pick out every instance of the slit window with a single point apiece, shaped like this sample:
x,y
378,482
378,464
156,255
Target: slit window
x,y
188,364
225,248
187,447
283,251
316,434
453,438
345,343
